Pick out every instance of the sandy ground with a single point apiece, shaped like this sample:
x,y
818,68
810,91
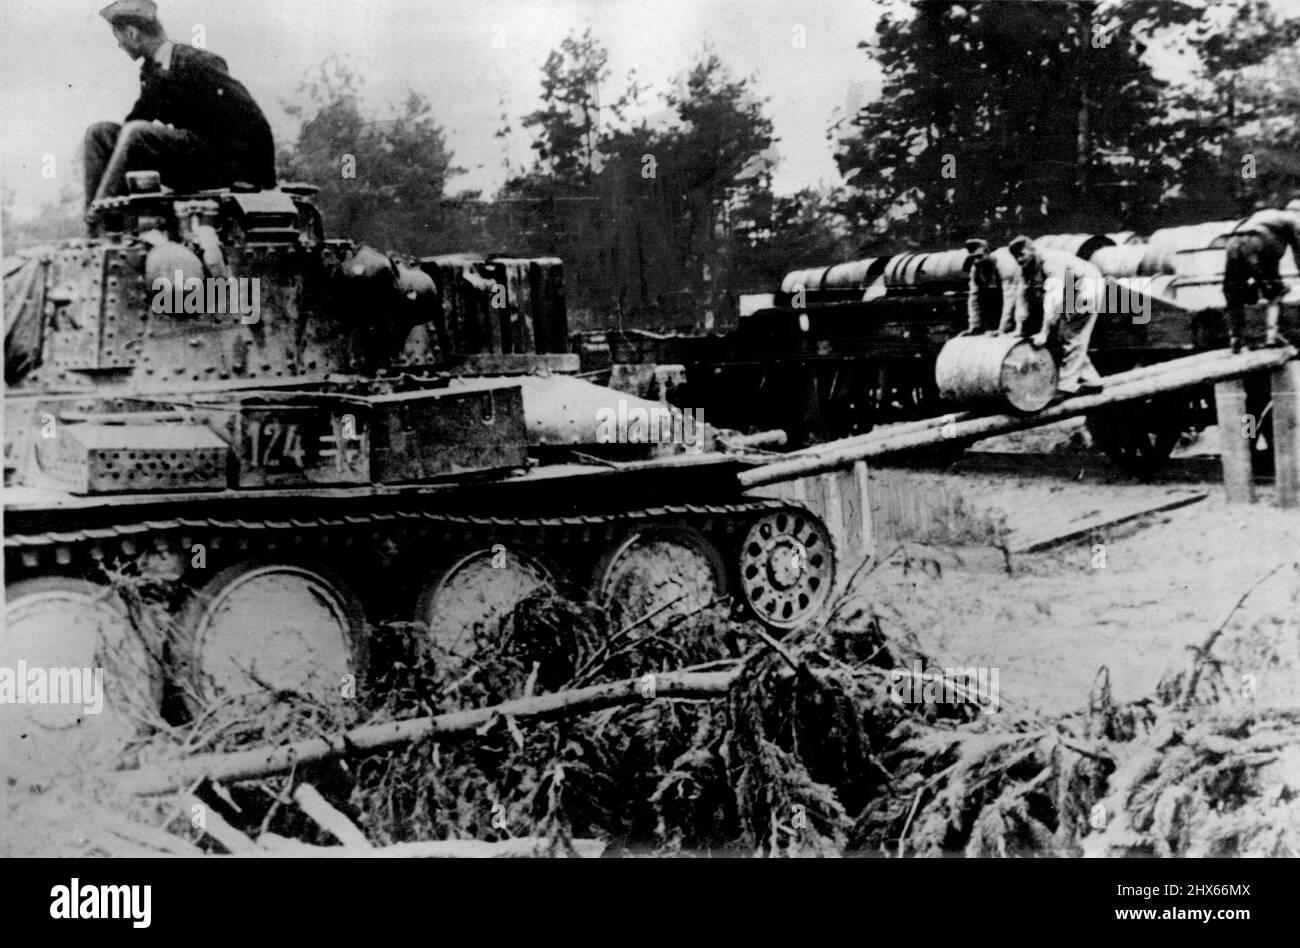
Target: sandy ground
x,y
1130,598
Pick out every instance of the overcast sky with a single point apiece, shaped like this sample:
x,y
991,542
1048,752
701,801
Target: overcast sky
x,y
60,69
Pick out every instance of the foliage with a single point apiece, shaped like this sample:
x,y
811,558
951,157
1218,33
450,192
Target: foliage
x,y
381,181
1241,102
1000,117
654,219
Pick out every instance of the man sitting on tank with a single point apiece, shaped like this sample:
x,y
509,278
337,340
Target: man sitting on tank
x,y
1254,256
1060,297
193,123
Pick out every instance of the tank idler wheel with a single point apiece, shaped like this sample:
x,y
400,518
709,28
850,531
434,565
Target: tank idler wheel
x,y
65,634
656,574
270,624
475,591
787,568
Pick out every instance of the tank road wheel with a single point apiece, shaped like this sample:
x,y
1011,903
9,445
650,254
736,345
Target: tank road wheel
x,y
1139,437
276,625
55,630
787,568
475,591
664,571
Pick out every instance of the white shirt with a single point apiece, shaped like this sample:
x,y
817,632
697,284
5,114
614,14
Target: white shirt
x,y
163,55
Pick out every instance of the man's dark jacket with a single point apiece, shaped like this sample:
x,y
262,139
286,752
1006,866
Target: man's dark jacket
x,y
197,94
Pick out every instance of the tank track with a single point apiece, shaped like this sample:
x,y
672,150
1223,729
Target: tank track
x,y
29,554
305,596
391,557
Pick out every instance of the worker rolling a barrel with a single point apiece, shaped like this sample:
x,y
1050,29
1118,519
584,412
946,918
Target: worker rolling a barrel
x,y
1254,255
1059,299
993,279
985,294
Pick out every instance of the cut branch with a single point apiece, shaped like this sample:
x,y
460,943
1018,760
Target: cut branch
x,y
266,761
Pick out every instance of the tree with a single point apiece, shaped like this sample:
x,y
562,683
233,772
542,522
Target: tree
x,y
1240,106
1005,116
381,181
652,220
566,129
802,230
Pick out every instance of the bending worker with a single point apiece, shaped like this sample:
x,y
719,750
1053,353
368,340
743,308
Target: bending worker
x,y
994,278
1255,250
1060,298
193,123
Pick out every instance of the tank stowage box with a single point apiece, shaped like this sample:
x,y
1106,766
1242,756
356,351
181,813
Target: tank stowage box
x,y
415,435
110,459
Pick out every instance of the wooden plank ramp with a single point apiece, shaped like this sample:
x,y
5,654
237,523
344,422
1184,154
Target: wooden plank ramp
x,y
1216,366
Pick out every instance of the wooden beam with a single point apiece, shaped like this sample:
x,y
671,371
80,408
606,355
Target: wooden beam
x,y
1286,433
1081,528
1172,376
887,432
1234,447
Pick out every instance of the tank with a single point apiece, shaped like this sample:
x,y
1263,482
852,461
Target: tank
x,y
311,439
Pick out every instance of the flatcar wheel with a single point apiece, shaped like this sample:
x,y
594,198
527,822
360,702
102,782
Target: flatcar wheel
x,y
63,634
1138,438
475,591
275,626
656,574
787,567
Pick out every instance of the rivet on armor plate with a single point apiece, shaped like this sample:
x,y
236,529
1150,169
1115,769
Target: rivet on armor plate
x,y
30,559
128,547
62,555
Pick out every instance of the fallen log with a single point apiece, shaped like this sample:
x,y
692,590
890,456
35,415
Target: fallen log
x,y
266,761
236,843
329,819
431,849
149,840
1171,376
